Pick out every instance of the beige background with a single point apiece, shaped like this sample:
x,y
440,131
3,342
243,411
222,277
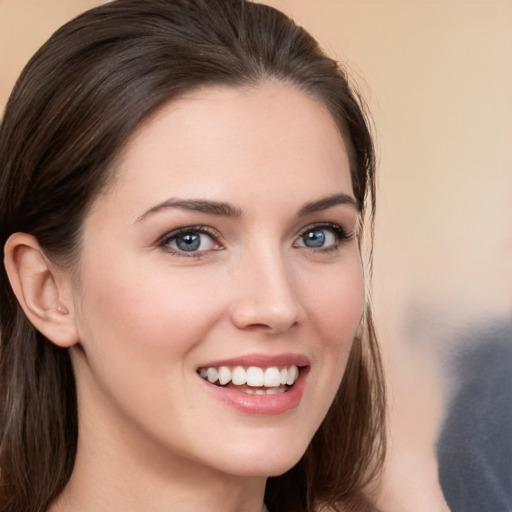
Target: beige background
x,y
438,77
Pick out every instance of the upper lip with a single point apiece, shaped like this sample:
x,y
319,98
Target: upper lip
x,y
261,360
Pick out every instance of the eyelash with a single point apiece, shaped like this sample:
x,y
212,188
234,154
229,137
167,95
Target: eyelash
x,y
177,233
340,234
341,237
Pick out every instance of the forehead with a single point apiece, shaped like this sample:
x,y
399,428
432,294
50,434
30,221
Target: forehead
x,y
216,140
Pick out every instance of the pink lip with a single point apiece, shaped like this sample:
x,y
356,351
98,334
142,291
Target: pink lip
x,y
261,360
261,404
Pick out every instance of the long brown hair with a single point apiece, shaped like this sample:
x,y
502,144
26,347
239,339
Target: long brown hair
x,y
74,106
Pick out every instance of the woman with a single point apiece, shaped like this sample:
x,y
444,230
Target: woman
x,y
183,316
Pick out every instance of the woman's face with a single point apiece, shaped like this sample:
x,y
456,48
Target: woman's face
x,y
225,249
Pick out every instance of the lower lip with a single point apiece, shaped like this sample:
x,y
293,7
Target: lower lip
x,y
261,404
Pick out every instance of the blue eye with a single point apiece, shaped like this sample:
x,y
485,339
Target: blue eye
x,y
315,238
189,240
322,237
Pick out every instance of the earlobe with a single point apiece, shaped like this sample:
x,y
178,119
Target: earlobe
x,y
42,291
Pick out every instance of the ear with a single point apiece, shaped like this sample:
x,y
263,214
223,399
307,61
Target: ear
x,y
42,289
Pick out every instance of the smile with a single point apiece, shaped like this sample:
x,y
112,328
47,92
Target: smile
x,y
269,381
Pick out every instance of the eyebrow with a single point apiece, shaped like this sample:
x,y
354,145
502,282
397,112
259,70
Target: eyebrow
x,y
328,202
222,209
196,205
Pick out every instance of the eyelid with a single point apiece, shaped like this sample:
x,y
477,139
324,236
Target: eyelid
x,y
176,233
339,231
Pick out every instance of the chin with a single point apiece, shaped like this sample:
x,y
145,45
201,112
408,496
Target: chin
x,y
267,461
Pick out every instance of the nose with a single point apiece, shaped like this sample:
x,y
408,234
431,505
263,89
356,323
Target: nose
x,y
265,295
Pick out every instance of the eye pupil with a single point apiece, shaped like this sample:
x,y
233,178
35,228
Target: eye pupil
x,y
314,238
189,242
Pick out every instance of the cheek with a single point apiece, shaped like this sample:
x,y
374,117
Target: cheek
x,y
337,307
139,330
152,312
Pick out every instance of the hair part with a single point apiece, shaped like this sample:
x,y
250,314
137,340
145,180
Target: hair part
x,y
73,108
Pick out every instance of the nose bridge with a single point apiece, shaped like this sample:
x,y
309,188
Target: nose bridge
x,y
265,294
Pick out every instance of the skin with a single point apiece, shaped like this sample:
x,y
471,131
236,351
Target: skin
x,y
147,316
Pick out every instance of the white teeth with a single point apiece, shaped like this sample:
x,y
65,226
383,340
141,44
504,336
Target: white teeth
x,y
293,373
270,391
271,377
253,376
224,375
239,377
212,374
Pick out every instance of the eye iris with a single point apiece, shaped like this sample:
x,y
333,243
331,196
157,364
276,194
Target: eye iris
x,y
188,242
315,238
